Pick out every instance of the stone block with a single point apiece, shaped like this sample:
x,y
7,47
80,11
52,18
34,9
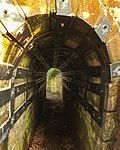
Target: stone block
x,y
113,47
19,100
109,126
113,94
22,130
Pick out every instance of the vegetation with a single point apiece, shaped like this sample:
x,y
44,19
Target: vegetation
x,y
54,84
53,72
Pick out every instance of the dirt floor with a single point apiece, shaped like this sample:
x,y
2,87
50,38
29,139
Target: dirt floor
x,y
54,130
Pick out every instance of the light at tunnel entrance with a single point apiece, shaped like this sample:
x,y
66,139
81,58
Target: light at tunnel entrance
x,y
54,82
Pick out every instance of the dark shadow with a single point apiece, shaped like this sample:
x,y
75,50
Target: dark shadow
x,y
54,131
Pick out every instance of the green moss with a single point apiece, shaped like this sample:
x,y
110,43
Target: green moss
x,y
25,61
54,84
53,72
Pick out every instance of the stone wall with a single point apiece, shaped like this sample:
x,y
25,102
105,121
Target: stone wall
x,y
107,137
21,132
18,109
92,136
85,128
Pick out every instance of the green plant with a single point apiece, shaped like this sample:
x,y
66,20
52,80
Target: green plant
x,y
53,72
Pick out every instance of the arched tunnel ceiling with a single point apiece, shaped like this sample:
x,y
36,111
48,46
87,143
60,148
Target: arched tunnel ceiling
x,y
36,36
84,45
102,13
78,39
71,45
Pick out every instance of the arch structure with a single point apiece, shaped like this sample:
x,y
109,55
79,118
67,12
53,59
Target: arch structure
x,y
54,85
84,45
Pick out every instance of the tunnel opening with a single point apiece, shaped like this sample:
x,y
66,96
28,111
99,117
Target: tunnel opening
x,y
55,70
54,84
83,62
82,58
82,68
54,128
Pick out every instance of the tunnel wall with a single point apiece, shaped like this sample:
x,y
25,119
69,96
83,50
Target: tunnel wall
x,y
18,105
22,131
91,135
96,137
18,110
86,129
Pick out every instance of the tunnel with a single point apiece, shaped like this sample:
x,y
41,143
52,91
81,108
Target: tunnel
x,y
59,74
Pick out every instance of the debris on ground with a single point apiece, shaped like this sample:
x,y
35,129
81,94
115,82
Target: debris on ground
x,y
54,130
